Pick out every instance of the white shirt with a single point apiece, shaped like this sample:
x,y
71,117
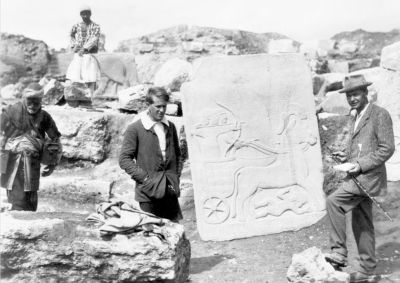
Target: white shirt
x,y
148,123
359,116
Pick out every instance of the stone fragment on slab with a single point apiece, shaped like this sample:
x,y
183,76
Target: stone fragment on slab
x,y
390,57
173,74
11,91
311,266
49,247
253,146
84,134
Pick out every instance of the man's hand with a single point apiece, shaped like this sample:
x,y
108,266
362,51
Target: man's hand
x,y
340,155
81,51
48,170
76,49
355,170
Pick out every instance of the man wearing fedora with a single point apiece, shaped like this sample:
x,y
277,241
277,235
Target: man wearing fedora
x,y
370,146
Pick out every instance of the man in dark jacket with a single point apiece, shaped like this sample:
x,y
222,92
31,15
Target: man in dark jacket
x,y
150,154
371,145
24,127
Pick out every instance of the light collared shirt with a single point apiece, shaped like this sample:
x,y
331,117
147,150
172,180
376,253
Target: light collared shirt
x,y
148,123
359,116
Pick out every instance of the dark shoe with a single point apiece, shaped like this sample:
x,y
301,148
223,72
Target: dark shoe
x,y
359,277
336,260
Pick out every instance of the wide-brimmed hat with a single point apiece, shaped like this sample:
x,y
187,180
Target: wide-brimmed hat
x,y
354,82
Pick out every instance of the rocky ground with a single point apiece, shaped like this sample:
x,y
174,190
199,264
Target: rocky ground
x,y
267,258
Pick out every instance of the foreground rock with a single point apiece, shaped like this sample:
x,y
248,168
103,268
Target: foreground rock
x,y
49,247
311,266
253,146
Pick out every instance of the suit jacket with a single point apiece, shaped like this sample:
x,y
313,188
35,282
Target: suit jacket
x,y
371,145
141,156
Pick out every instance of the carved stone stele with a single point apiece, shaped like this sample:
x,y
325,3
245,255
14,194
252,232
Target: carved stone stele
x,y
253,145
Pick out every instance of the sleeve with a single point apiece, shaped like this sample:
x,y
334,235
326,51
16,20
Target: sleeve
x,y
93,40
128,153
385,149
51,128
178,155
72,36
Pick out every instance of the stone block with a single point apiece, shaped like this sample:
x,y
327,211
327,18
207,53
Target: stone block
x,y
50,247
335,102
253,146
390,57
282,46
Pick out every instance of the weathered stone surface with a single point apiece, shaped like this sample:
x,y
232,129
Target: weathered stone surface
x,y
54,247
133,98
8,74
173,74
84,134
253,146
324,83
390,57
311,266
25,56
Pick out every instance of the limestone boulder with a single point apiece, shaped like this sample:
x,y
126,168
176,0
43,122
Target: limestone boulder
x,y
84,133
50,247
133,98
173,74
311,266
390,57
11,91
26,56
8,74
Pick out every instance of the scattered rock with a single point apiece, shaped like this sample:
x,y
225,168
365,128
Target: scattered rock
x,y
311,266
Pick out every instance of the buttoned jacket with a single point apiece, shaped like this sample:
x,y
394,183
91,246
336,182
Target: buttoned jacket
x,y
371,145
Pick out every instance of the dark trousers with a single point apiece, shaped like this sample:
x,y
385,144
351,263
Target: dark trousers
x,y
338,204
166,207
19,199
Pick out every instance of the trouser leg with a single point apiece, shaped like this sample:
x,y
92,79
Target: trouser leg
x,y
363,229
337,205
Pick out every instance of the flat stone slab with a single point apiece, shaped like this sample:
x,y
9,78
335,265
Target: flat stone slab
x,y
63,247
253,146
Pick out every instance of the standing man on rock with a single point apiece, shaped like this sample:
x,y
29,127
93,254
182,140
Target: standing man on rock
x,y
371,145
84,67
24,127
150,154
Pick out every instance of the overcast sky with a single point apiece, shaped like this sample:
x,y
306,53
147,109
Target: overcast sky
x,y
51,20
